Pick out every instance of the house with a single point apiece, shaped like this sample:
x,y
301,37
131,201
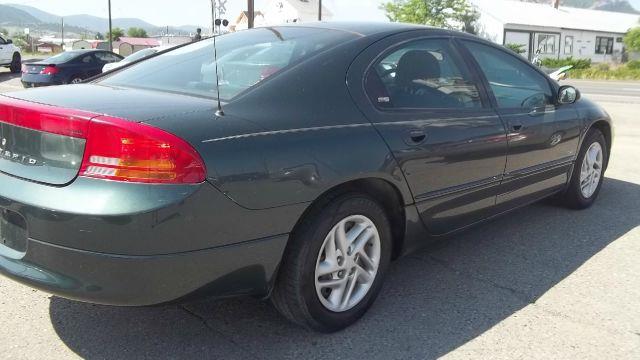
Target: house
x,y
293,11
129,45
48,48
242,21
556,31
81,45
173,40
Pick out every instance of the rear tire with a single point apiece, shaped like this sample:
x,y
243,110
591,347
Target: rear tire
x,y
588,172
76,80
328,287
16,64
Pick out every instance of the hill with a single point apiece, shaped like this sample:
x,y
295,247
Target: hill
x,y
95,23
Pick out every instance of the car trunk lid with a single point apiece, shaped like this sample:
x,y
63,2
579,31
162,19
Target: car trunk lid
x,y
39,142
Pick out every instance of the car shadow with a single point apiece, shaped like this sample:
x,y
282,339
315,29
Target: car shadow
x,y
433,302
7,75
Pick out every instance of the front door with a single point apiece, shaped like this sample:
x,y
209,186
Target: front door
x,y
4,50
543,136
450,145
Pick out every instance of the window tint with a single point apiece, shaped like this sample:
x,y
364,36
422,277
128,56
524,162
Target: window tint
x,y
63,57
514,83
106,57
604,45
568,45
245,59
423,74
86,59
546,44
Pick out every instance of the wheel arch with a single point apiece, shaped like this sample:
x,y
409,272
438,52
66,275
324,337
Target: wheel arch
x,y
605,128
382,191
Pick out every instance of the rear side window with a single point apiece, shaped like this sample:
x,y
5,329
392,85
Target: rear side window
x,y
106,57
514,83
423,74
245,59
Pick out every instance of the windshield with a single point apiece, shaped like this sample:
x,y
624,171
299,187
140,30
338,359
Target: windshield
x,y
62,57
245,59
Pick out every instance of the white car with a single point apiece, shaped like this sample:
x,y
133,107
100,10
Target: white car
x,y
135,57
10,55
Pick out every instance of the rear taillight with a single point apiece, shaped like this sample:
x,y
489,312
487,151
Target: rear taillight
x,y
49,70
121,150
115,149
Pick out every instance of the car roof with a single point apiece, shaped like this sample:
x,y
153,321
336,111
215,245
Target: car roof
x,y
364,28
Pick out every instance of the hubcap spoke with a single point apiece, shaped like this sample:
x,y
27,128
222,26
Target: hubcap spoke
x,y
591,170
348,263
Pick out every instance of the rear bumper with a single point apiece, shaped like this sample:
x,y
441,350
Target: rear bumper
x,y
241,269
134,244
36,80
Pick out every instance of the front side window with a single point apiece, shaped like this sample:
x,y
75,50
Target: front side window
x,y
2,42
245,59
423,74
604,45
568,45
514,83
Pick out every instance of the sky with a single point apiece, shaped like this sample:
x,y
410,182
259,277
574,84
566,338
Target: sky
x,y
197,12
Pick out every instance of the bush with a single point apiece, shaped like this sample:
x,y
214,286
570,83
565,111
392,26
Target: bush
x,y
516,48
558,63
621,73
633,65
603,67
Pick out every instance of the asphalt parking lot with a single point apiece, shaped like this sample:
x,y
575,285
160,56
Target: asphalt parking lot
x,y
544,282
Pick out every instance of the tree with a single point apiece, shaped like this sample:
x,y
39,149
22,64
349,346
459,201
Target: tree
x,y
4,32
99,36
632,39
450,14
116,34
137,32
516,48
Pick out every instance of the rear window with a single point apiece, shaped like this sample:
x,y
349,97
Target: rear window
x,y
63,57
245,59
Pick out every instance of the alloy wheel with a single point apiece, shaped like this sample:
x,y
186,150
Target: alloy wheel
x,y
591,170
348,263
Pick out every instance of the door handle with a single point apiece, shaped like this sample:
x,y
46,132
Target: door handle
x,y
415,137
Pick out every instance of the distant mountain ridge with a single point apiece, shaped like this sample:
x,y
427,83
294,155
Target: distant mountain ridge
x,y
623,6
21,15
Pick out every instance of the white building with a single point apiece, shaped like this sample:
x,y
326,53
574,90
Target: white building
x,y
556,32
293,11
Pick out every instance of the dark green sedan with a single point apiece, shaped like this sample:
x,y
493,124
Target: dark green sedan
x,y
335,149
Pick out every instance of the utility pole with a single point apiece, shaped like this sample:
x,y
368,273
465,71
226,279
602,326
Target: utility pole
x,y
252,13
319,10
110,29
62,34
213,17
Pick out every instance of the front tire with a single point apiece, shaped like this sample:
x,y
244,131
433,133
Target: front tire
x,y
335,264
588,174
16,64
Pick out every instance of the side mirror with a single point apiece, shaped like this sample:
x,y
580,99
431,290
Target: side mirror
x,y
568,95
9,41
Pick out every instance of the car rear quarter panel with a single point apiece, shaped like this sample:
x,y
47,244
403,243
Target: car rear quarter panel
x,y
292,137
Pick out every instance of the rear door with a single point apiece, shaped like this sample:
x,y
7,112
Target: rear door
x,y
435,116
543,136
